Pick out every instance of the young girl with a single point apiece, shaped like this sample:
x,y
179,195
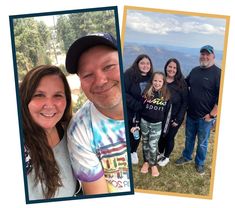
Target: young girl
x,y
155,117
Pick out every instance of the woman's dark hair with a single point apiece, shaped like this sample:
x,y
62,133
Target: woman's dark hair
x,y
41,154
179,77
149,90
136,73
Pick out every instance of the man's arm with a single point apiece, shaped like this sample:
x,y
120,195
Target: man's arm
x,y
212,114
96,187
86,165
214,110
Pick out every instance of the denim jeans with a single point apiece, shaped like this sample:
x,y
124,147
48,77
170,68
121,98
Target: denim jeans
x,y
201,129
150,135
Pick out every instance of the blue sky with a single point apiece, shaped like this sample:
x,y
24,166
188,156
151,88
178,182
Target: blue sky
x,y
174,29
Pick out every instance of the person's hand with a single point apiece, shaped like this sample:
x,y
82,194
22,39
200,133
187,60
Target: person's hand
x,y
207,117
174,124
134,128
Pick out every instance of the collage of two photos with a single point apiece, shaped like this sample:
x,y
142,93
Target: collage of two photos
x,y
105,113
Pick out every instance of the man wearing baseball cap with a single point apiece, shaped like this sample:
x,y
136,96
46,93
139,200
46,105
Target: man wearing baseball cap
x,y
204,83
96,134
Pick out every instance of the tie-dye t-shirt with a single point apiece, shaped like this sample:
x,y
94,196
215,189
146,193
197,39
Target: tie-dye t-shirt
x,y
97,147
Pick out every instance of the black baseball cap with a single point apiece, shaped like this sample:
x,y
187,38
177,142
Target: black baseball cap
x,y
207,48
84,43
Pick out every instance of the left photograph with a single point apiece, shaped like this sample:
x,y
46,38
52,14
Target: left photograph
x,y
68,80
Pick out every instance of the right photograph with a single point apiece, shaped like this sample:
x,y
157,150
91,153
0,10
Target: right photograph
x,y
173,65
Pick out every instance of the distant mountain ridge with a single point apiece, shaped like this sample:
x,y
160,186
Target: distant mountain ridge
x,y
159,54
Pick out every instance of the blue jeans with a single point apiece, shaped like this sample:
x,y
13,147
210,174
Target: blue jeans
x,y
201,129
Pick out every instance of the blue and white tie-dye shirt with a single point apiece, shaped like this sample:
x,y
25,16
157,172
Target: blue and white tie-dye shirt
x,y
97,147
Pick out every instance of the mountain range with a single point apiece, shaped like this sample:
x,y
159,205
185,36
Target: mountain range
x,y
159,54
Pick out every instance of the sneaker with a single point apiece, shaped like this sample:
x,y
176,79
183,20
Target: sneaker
x,y
134,158
200,169
145,168
182,161
163,162
160,156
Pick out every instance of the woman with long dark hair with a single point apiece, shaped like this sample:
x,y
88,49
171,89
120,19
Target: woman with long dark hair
x,y
136,78
46,111
179,92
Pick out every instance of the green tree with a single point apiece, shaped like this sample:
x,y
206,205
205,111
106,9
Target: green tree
x,y
31,41
65,32
73,26
44,34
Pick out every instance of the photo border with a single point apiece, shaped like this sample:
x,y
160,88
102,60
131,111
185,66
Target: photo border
x,y
215,146
11,22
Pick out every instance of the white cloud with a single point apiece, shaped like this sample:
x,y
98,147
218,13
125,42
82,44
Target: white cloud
x,y
163,24
202,28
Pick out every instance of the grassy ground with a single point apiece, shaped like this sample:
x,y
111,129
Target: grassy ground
x,y
176,179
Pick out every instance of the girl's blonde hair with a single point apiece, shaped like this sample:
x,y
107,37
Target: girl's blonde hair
x,y
149,90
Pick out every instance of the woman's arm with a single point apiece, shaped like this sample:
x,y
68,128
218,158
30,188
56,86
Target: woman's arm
x,y
183,108
131,101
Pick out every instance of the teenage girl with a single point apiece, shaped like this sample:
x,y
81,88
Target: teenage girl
x,y
136,79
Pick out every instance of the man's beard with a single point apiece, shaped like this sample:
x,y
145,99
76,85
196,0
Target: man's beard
x,y
206,64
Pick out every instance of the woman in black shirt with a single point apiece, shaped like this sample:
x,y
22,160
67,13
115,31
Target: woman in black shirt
x,y
179,92
136,78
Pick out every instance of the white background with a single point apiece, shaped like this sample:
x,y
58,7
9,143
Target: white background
x,y
11,176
